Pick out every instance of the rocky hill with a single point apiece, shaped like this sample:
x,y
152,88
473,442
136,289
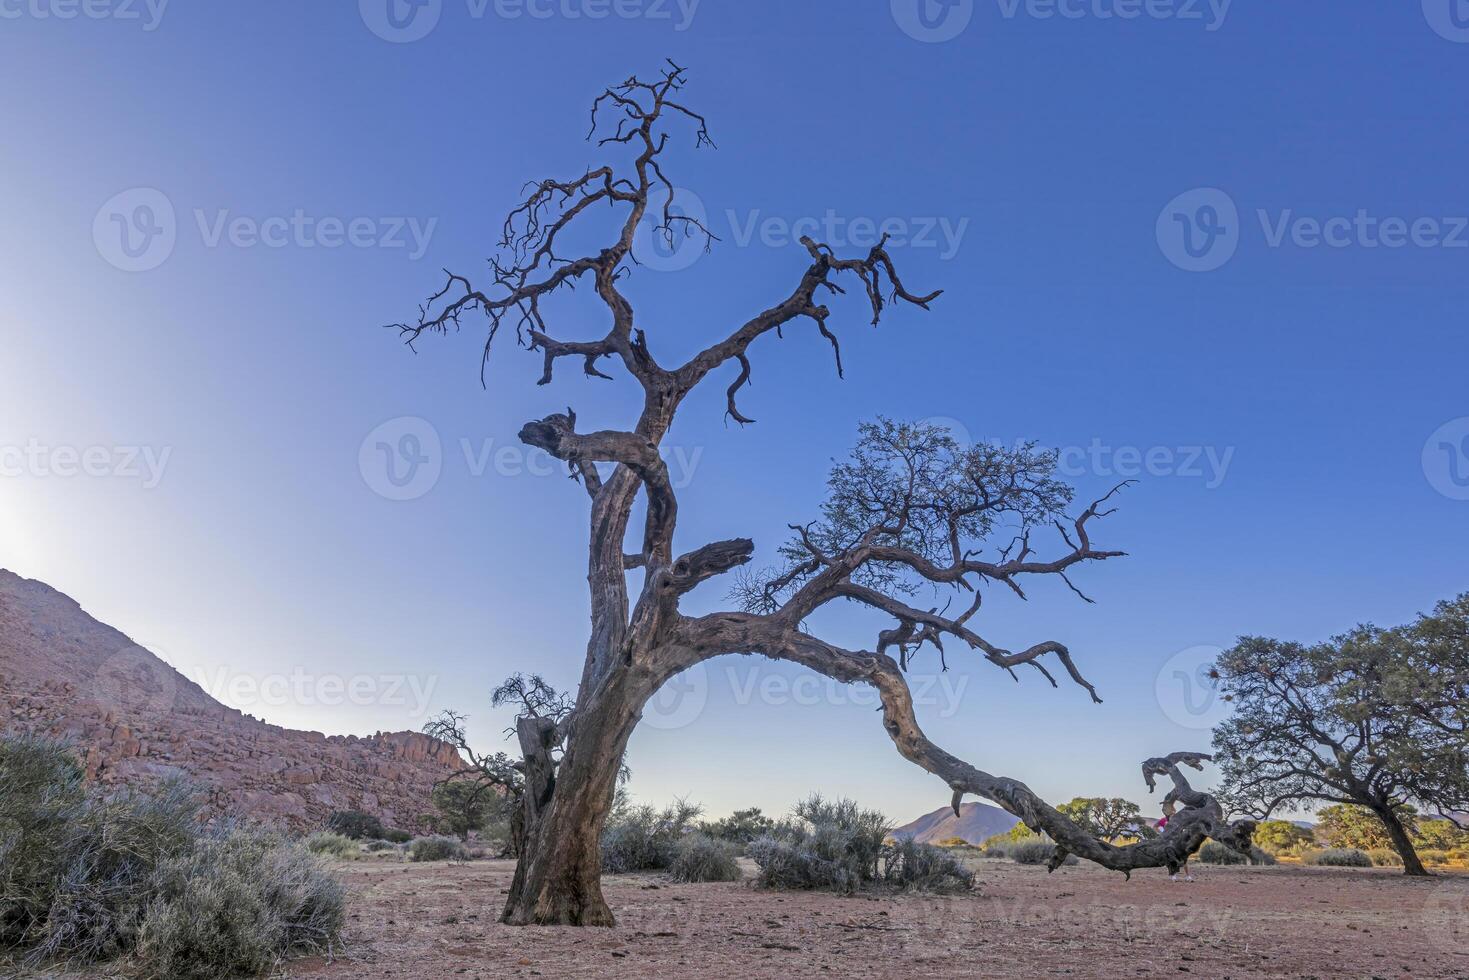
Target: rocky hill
x,y
136,720
976,823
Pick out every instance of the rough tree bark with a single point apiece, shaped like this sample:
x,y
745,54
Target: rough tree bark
x,y
1402,841
637,643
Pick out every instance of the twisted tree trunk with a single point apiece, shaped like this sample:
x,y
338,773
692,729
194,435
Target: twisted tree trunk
x,y
913,509
558,877
1402,842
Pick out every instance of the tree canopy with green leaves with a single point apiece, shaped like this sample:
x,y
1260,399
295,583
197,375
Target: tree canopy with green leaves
x,y
1374,717
1108,819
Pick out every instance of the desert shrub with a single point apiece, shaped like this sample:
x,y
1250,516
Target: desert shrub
x,y
1434,857
1385,857
740,828
640,838
953,842
1214,852
702,858
1035,851
396,836
377,846
87,877
833,845
77,865
1339,857
924,868
328,843
437,848
236,904
356,825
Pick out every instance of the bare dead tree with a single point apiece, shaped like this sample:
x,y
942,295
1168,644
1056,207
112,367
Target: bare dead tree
x,y
912,513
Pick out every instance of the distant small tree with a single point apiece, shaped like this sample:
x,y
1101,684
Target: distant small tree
x,y
740,827
1348,825
356,825
490,776
466,805
1279,836
1108,819
1373,718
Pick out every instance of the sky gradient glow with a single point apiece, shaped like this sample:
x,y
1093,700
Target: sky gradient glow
x,y
187,449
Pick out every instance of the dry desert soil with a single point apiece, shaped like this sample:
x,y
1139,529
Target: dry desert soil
x,y
433,921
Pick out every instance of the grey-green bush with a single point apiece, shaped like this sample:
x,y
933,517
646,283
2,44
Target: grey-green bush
x,y
236,905
640,838
924,868
1385,857
1035,852
1339,857
437,848
86,877
833,845
374,846
699,857
329,843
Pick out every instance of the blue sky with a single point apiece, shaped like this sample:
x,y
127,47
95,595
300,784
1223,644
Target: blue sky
x,y
1225,246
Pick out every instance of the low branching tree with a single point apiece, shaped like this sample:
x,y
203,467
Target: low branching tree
x,y
1108,819
1373,718
911,513
467,796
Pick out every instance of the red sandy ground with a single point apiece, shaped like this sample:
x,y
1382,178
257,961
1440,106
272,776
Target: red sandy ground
x,y
439,921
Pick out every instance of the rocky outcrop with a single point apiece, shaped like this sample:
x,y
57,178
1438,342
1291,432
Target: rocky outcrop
x,y
136,721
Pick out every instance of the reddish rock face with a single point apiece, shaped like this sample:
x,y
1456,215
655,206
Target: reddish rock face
x,y
136,721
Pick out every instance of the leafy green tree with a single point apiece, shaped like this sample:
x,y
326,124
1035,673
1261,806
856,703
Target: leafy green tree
x,y
1107,819
466,805
1348,825
740,827
1373,718
1279,836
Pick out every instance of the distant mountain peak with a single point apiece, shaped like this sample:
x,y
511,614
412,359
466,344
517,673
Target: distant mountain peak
x,y
976,823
